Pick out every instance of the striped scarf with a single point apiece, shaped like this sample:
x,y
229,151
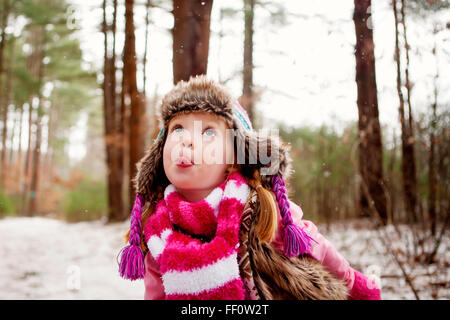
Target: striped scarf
x,y
191,268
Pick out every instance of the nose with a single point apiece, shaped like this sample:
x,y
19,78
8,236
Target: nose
x,y
187,140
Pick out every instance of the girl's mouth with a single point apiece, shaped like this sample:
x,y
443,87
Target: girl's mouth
x,y
184,162
184,165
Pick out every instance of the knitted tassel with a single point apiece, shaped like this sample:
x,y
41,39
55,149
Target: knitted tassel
x,y
296,240
132,258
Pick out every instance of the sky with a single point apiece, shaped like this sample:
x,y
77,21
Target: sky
x,y
304,69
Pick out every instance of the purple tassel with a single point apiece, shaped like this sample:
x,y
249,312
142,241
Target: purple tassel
x,y
296,240
131,264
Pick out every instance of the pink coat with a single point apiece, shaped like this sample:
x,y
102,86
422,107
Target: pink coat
x,y
322,251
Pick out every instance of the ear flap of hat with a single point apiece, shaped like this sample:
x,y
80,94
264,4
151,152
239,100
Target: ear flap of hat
x,y
280,160
266,152
149,181
150,178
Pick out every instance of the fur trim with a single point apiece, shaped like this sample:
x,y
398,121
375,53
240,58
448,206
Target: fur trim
x,y
282,278
277,151
151,180
197,94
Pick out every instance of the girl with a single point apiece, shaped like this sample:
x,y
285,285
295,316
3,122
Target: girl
x,y
217,223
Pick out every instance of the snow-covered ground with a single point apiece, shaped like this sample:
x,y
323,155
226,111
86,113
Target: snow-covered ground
x,y
361,245
43,258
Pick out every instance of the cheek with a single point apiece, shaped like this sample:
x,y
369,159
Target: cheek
x,y
218,152
212,175
167,151
165,158
216,157
170,151
229,154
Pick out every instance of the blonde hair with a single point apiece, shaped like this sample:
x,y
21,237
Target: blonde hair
x,y
268,215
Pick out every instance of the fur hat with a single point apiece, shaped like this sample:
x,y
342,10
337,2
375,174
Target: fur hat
x,y
200,94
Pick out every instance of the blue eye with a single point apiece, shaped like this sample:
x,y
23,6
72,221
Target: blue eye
x,y
178,129
210,132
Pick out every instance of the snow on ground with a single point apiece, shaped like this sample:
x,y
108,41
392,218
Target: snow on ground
x,y
49,259
43,258
361,245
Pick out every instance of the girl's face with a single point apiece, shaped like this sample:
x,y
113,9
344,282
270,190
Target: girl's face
x,y
197,152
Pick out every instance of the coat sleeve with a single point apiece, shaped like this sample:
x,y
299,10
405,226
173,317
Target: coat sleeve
x,y
154,289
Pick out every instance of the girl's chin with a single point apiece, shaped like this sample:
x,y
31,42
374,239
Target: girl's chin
x,y
183,181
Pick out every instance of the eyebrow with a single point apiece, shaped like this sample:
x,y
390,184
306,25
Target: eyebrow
x,y
174,122
216,121
205,123
210,124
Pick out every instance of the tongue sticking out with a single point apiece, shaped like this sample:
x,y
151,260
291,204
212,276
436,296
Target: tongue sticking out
x,y
183,161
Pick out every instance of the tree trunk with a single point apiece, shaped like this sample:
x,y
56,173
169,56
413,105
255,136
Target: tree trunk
x,y
407,82
5,15
33,64
432,181
370,146
4,104
8,96
411,139
391,180
20,153
147,21
132,100
3,93
190,38
34,184
10,161
26,179
247,92
4,137
443,175
48,160
113,139
408,159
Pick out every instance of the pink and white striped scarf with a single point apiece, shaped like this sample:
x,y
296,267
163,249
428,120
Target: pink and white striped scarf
x,y
190,268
